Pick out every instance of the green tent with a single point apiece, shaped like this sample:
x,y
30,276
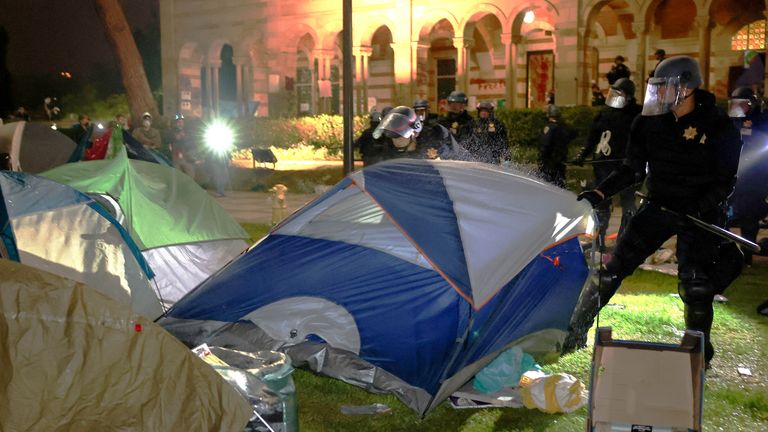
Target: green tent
x,y
184,234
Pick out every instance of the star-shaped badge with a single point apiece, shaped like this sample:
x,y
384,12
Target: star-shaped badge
x,y
690,133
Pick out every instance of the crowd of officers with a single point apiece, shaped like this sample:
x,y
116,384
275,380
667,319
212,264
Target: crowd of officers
x,y
684,148
415,132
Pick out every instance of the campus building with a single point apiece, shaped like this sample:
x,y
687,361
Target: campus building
x,y
282,57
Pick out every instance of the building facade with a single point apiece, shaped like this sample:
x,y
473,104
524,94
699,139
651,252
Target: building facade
x,y
282,57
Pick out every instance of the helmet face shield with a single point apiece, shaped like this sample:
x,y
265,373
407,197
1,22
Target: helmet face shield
x,y
663,94
421,112
396,125
739,108
616,99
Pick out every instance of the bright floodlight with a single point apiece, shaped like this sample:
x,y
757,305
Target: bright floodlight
x,y
100,126
529,17
219,137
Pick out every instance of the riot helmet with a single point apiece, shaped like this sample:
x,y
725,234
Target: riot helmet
x,y
742,102
670,85
457,97
421,106
553,111
401,125
621,93
485,109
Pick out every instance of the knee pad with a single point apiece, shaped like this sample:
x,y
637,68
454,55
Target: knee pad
x,y
695,287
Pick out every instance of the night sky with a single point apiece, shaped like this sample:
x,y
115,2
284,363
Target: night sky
x,y
46,37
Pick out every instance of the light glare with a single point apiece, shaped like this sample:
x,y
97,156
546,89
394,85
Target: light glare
x,y
529,17
219,137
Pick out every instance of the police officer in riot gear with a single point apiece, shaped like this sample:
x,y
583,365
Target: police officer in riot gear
x,y
553,147
404,136
457,120
607,141
747,206
691,150
371,149
488,141
421,106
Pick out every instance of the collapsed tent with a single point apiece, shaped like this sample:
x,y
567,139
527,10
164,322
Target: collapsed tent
x,y
183,232
55,228
34,147
408,276
74,359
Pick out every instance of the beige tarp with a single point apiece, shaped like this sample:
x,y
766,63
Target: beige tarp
x,y
72,359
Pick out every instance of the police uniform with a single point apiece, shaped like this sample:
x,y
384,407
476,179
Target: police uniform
x,y
691,168
458,124
607,141
371,149
488,140
553,151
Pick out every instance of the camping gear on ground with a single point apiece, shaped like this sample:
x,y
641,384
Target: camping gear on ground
x,y
504,371
646,386
264,379
55,228
182,231
34,147
551,394
76,360
467,397
407,277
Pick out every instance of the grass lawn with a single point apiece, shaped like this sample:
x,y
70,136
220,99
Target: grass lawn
x,y
651,312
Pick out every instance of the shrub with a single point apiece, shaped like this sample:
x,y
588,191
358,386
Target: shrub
x,y
319,132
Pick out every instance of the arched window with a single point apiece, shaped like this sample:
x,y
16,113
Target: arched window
x,y
750,37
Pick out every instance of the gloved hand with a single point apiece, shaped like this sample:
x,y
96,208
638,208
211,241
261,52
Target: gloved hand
x,y
594,197
578,160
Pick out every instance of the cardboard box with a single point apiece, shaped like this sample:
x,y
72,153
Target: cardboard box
x,y
646,387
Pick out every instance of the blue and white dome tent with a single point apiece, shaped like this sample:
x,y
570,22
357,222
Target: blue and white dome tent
x,y
408,276
55,228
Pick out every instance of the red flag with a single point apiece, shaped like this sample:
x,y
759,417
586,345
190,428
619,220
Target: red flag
x,y
98,150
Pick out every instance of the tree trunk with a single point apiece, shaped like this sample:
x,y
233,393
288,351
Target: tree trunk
x,y
119,34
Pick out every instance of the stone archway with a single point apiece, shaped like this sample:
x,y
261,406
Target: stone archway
x,y
381,68
611,29
438,62
486,59
305,84
191,90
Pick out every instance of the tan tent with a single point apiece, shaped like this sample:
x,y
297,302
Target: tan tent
x,y
74,360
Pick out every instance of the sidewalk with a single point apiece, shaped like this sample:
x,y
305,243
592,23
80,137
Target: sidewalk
x,y
256,207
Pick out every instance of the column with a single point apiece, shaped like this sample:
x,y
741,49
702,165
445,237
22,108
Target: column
x,y
403,95
510,42
208,89
357,66
463,46
705,47
324,58
239,62
420,61
365,58
215,86
642,54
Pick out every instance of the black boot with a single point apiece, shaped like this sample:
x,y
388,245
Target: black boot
x,y
596,295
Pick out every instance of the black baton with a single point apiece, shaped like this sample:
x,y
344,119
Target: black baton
x,y
714,229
